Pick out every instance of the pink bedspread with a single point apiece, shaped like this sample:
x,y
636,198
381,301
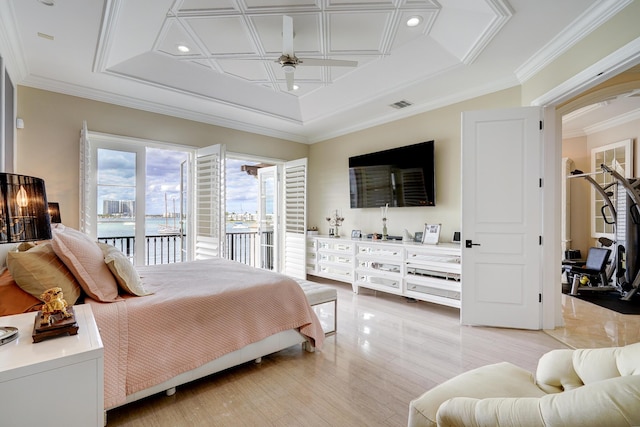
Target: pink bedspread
x,y
199,311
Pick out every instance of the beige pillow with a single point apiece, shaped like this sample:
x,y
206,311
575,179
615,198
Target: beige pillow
x,y
125,273
85,260
39,269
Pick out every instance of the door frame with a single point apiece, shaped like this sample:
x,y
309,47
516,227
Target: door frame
x,y
553,110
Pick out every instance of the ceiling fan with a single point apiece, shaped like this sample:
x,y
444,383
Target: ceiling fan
x,y
289,61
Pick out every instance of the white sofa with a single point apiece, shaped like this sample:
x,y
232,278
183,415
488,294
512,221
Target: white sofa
x,y
587,387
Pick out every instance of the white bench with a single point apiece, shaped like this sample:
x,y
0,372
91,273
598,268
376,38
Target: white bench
x,y
320,294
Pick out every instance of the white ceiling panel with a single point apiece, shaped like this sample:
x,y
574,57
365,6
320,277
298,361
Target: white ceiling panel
x,y
306,30
358,32
213,33
174,35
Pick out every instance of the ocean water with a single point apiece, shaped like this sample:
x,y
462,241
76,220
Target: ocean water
x,y
126,227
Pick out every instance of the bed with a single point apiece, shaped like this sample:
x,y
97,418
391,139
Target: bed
x,y
198,312
165,325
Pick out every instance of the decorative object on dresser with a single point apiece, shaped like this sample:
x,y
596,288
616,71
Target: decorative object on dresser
x,y
335,220
384,210
431,234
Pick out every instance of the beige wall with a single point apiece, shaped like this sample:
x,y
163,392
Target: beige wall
x,y
329,176
576,150
48,146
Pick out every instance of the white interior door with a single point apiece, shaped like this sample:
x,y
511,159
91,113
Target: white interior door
x,y
502,218
210,202
268,229
295,218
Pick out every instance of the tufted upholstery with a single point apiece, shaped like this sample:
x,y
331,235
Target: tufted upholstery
x,y
586,387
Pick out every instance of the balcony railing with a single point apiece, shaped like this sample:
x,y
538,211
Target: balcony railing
x,y
167,248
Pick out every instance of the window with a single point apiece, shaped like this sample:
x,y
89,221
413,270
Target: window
x,y
132,193
618,157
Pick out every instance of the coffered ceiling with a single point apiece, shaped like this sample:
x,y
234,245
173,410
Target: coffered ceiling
x,y
128,53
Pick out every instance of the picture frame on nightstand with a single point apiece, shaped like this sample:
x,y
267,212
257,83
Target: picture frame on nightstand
x,y
356,234
417,237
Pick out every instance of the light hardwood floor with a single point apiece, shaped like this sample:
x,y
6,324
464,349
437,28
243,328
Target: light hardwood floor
x,y
387,352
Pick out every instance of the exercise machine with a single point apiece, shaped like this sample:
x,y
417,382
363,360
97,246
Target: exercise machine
x,y
628,276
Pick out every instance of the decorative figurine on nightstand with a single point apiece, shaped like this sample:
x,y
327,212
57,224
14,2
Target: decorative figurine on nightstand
x,y
335,221
55,317
54,303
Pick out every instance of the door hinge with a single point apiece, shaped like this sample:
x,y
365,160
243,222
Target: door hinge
x,y
541,126
539,297
540,240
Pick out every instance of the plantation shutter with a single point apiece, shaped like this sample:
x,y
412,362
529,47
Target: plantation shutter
x,y
210,202
88,194
295,218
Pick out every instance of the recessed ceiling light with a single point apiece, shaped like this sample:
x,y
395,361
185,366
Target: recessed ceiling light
x,y
296,87
414,21
183,48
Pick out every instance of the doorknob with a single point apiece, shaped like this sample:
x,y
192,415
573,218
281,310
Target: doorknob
x,y
469,243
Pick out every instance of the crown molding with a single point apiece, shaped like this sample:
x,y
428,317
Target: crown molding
x,y
621,59
153,107
504,12
14,62
611,123
591,19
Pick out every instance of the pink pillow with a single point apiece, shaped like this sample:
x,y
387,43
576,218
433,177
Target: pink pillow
x,y
84,258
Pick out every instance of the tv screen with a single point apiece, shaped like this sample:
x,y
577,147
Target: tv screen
x,y
402,176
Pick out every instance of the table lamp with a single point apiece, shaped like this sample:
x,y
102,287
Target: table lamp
x,y
24,217
24,213
54,212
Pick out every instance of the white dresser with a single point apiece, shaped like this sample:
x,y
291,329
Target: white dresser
x,y
425,272
58,381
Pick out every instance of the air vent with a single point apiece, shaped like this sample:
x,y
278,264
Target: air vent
x,y
400,104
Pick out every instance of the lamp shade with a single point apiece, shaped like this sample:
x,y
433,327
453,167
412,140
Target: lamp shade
x,y
24,212
54,212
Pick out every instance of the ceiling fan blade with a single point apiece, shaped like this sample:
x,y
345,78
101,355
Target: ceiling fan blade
x,y
287,35
328,62
289,77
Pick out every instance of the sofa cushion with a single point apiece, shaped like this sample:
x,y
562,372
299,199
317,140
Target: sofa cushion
x,y
497,380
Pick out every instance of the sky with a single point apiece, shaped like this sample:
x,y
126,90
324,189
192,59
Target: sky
x,y
116,180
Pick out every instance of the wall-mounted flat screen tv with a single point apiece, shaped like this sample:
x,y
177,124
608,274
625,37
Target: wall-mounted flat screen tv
x,y
403,176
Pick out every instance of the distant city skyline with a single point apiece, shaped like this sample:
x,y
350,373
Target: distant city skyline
x,y
117,181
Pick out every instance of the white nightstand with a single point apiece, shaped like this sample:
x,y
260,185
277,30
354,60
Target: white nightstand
x,y
58,381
